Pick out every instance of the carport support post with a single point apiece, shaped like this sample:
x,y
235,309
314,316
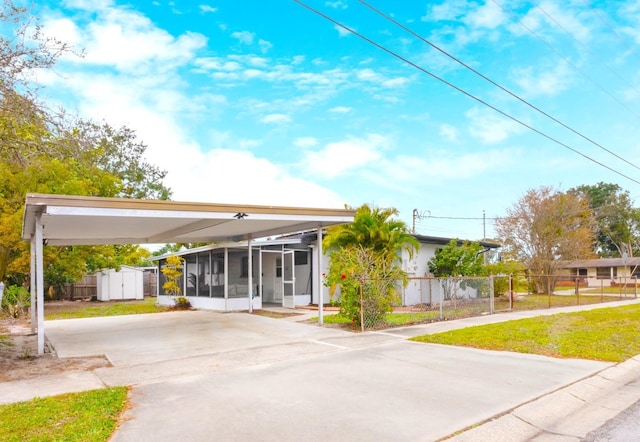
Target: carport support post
x,y
39,283
320,281
249,277
33,286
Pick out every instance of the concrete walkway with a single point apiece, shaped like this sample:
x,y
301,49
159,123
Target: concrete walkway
x,y
239,376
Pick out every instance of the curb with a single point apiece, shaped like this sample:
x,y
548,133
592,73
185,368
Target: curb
x,y
567,414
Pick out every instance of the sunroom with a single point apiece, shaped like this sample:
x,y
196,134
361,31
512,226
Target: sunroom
x,y
216,277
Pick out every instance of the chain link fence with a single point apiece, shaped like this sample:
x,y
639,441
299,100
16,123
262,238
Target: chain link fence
x,y
432,299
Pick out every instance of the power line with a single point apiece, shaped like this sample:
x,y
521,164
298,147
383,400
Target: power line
x,y
566,60
607,25
462,91
513,94
587,48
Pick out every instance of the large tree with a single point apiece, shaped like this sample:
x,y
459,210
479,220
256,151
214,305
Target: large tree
x,y
618,222
365,261
44,151
545,227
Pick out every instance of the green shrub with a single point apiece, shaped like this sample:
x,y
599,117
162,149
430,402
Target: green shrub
x,y
182,302
16,300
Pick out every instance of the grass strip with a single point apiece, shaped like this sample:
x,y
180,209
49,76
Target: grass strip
x,y
69,310
606,334
87,416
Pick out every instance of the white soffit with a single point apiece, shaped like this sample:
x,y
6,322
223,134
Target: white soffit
x,y
73,220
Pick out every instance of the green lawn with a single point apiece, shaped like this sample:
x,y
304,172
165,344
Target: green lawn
x,y
534,302
391,319
87,416
607,334
68,310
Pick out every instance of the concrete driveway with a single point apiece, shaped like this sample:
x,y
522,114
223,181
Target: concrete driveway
x,y
232,376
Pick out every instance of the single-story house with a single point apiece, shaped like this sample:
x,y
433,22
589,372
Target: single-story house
x,y
605,272
284,271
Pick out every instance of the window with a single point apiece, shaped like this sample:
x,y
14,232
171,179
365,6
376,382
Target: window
x,y
603,272
301,258
244,268
278,267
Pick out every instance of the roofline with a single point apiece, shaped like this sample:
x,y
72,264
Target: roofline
x,y
444,241
227,245
36,199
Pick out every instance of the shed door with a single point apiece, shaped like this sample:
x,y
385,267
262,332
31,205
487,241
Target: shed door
x,y
288,279
115,285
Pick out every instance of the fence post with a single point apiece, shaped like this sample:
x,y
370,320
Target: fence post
x,y
577,293
511,291
441,292
635,287
491,295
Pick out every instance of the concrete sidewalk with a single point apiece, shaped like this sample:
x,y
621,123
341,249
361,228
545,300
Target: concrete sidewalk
x,y
241,361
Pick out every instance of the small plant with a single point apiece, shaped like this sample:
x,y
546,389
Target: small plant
x,y
173,274
182,302
15,301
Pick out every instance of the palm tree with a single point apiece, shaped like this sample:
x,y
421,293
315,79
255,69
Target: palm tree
x,y
374,229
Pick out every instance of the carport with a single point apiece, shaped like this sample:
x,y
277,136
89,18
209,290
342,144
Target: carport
x,y
78,220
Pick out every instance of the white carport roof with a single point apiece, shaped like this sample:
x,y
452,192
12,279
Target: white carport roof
x,y
81,220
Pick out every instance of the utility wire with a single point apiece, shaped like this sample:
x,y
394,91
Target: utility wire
x,y
462,91
513,94
607,25
566,60
587,48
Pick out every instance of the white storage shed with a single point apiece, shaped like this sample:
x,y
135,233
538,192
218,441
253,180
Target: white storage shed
x,y
126,283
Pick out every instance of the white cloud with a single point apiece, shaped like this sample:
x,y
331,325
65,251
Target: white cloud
x,y
369,75
395,82
490,127
275,119
544,83
444,165
341,157
244,37
342,32
207,9
126,40
489,15
340,109
265,46
338,4
305,142
448,132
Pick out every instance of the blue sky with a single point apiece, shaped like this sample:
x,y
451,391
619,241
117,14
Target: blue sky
x,y
264,102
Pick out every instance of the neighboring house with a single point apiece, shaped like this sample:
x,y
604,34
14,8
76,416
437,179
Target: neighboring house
x,y
284,270
603,272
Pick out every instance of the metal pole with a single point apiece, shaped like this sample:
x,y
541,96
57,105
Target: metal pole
x,y
511,291
320,282
250,276
441,300
491,295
